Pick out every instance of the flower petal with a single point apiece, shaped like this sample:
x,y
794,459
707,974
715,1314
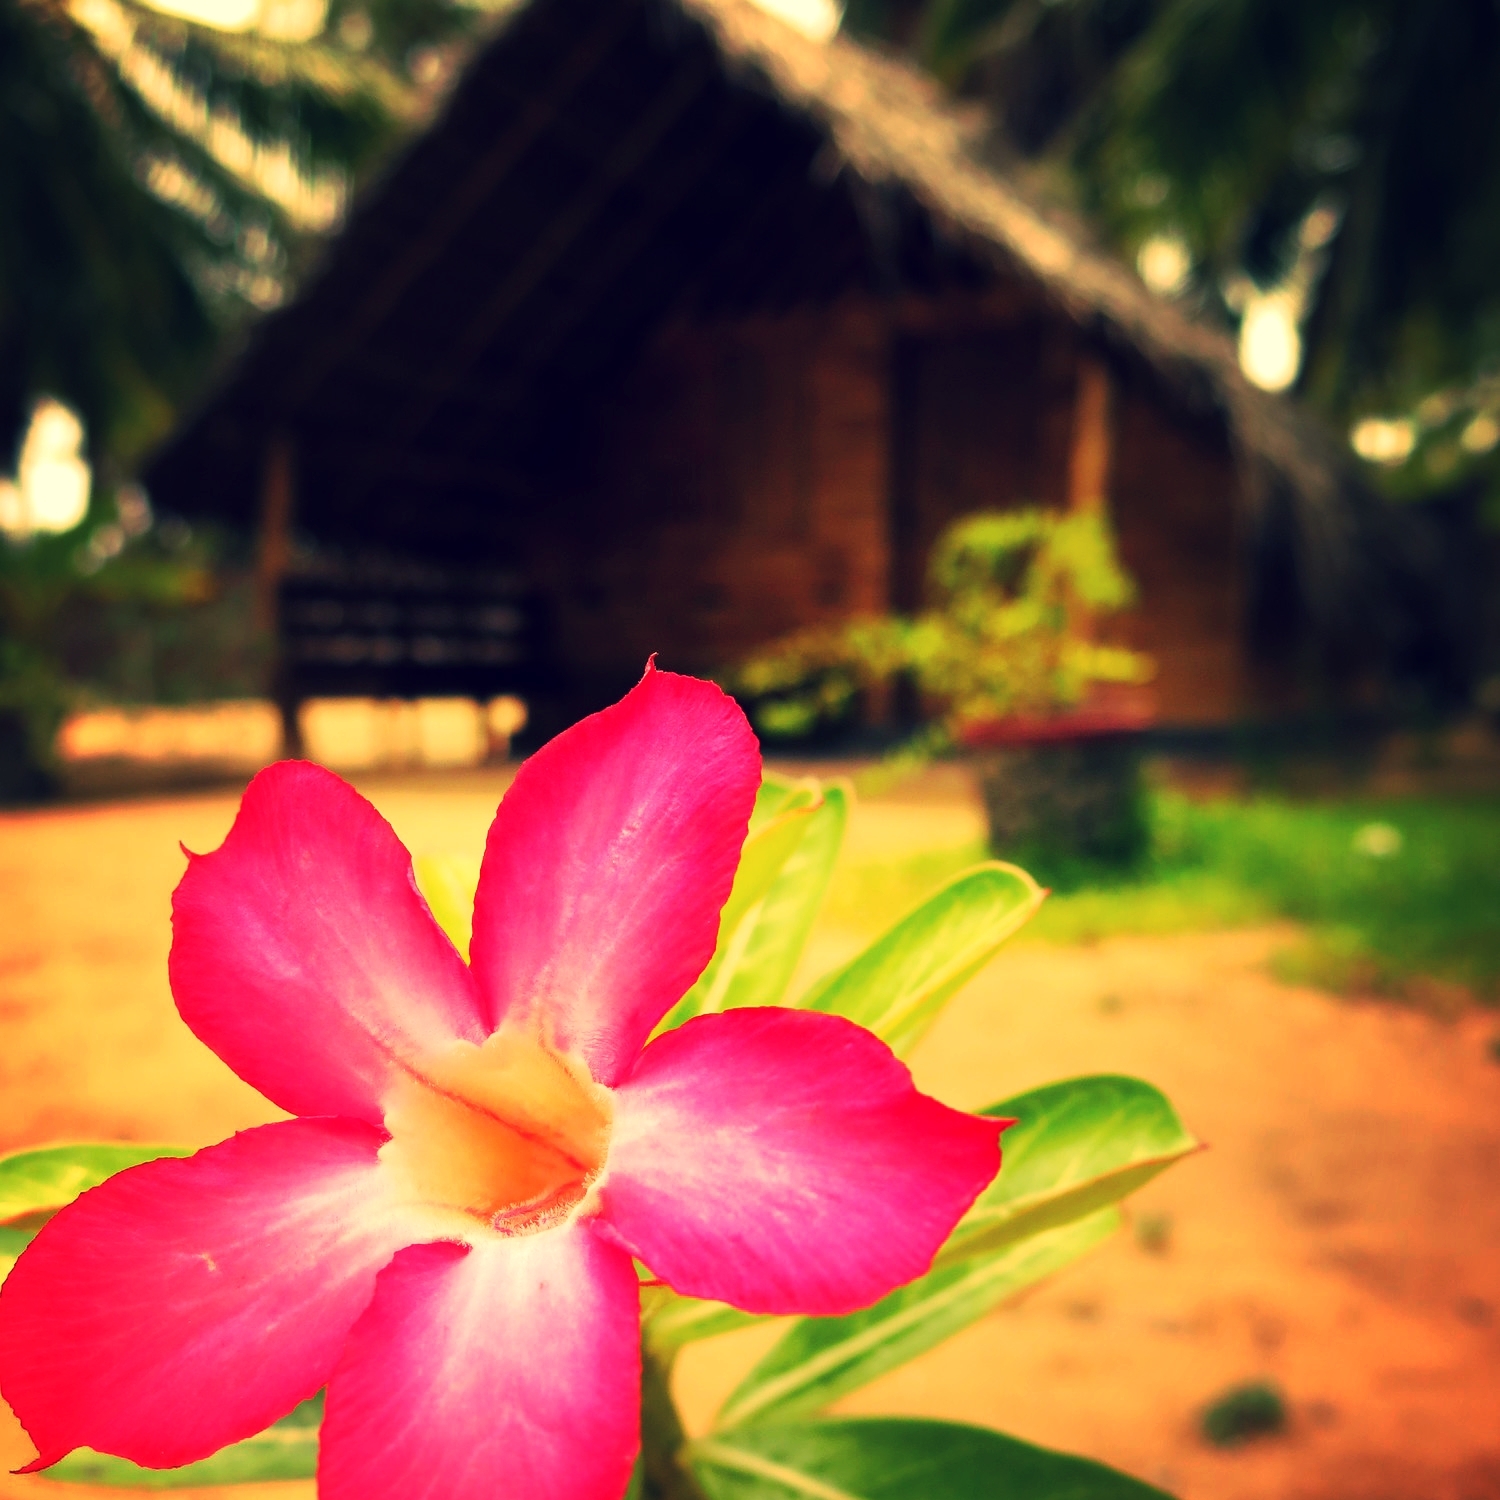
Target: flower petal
x,y
187,1303
303,954
508,1369
783,1161
607,865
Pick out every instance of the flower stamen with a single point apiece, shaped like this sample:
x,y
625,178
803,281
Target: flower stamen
x,y
511,1133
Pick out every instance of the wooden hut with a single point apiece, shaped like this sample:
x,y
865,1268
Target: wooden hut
x,y
679,330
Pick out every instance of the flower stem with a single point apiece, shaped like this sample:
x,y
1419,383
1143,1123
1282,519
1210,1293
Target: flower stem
x,y
664,1467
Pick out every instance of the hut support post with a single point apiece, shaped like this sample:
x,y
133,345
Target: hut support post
x,y
1093,439
1089,457
273,557
901,706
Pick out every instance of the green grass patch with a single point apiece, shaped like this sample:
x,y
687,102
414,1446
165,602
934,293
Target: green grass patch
x,y
1244,1413
1387,890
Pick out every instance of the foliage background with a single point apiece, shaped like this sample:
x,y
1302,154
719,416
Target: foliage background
x,y
1346,149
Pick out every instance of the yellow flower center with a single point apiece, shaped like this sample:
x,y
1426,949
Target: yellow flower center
x,y
511,1134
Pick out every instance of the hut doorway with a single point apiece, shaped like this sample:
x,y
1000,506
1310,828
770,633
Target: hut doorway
x,y
980,420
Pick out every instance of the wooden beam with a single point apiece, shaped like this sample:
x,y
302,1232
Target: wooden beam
x,y
1091,448
904,499
274,544
944,313
366,462
566,228
776,195
961,312
786,282
407,378
273,558
1089,456
423,250
616,256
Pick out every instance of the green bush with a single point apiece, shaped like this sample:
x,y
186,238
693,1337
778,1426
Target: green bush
x,y
160,617
1375,920
1423,902
1243,1413
1010,632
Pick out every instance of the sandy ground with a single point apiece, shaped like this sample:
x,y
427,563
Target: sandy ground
x,y
1341,1237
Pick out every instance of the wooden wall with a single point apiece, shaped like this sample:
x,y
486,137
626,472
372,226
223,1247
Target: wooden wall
x,y
754,478
1174,502
738,491
985,420
981,422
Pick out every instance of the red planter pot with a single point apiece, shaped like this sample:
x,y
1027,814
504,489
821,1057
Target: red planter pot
x,y
1052,729
1067,787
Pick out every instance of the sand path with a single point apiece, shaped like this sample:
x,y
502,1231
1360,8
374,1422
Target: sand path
x,y
1341,1237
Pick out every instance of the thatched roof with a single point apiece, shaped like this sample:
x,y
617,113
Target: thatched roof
x,y
605,165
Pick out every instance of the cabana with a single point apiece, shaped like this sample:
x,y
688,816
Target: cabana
x,y
677,330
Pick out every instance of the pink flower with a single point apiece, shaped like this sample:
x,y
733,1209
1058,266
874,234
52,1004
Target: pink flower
x,y
443,1236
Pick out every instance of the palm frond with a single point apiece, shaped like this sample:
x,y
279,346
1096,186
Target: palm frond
x,y
96,305
247,59
289,121
157,178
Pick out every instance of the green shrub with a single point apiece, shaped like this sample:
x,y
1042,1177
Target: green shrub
x,y
1242,1413
1426,907
158,617
1016,595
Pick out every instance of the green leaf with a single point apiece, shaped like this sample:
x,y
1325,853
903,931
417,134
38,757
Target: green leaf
x,y
14,1238
767,849
685,1320
35,1184
898,986
777,793
448,883
786,915
795,835
45,1180
287,1450
872,1458
821,1359
636,1489
251,56
1078,1145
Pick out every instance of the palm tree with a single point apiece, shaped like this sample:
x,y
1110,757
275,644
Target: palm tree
x,y
1357,141
160,178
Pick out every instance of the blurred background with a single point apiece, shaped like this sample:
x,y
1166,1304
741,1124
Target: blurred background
x,y
428,350
1076,421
